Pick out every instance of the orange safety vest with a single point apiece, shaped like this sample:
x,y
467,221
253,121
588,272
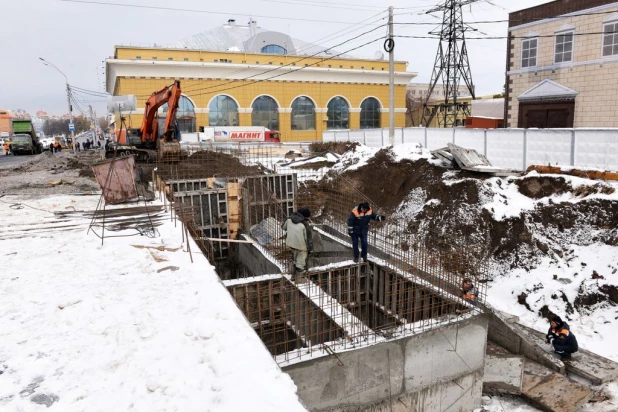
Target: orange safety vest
x,y
564,332
358,214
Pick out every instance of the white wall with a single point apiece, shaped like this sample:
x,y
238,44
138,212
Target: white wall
x,y
510,148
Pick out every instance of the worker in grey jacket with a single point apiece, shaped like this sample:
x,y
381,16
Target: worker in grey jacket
x,y
299,237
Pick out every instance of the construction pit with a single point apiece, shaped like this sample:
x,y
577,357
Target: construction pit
x,y
389,334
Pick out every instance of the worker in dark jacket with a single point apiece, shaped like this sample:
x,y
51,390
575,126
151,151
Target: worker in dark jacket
x,y
299,237
358,228
560,336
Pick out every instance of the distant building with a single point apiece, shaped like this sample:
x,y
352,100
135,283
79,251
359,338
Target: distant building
x,y
417,94
563,65
486,113
236,75
5,123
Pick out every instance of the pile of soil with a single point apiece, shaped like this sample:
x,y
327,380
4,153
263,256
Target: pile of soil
x,y
47,161
452,206
204,164
335,147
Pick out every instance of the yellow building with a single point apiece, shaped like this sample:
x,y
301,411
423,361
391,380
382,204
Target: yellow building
x,y
246,76
563,65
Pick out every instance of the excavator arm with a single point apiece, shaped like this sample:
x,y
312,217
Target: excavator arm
x,y
170,95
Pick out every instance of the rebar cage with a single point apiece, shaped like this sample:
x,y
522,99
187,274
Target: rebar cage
x,y
411,283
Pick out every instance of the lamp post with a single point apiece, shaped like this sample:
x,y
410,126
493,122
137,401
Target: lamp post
x,y
66,80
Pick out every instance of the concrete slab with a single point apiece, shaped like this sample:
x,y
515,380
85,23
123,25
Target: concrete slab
x,y
368,376
503,374
590,366
551,391
507,333
430,371
447,352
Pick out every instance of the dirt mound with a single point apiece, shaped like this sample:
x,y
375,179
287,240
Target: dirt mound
x,y
538,187
205,164
46,161
335,147
429,199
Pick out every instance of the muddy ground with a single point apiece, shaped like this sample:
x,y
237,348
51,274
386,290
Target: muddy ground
x,y
40,175
451,205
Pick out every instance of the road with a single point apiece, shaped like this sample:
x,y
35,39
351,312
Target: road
x,y
13,160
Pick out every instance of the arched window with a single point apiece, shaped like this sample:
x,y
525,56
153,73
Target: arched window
x,y
185,116
223,111
337,112
265,113
370,114
274,49
303,114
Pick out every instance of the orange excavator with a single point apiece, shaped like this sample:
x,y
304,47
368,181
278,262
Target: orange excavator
x,y
148,143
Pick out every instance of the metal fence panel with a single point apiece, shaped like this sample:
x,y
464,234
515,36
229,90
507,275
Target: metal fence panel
x,y
548,146
328,136
373,137
439,138
471,139
505,148
414,135
596,148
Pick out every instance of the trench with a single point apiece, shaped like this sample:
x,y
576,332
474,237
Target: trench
x,y
336,305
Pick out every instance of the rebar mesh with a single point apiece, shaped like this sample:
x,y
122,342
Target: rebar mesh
x,y
412,282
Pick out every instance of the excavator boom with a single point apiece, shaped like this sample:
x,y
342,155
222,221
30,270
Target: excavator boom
x,y
171,96
144,140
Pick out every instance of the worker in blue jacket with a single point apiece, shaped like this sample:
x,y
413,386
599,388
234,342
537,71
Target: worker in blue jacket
x,y
560,336
358,228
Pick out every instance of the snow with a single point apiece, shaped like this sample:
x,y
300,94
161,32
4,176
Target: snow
x,y
507,201
595,331
95,327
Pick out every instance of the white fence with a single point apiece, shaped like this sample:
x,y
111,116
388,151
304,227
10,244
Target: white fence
x,y
510,148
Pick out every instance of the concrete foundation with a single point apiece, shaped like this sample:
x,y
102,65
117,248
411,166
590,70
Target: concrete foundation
x,y
436,370
503,373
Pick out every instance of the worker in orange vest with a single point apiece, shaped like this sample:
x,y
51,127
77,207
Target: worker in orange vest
x,y
469,292
6,148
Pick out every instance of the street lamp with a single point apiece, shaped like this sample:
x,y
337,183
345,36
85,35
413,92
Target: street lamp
x,y
66,80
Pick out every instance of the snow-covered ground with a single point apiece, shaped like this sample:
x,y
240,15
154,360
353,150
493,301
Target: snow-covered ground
x,y
91,327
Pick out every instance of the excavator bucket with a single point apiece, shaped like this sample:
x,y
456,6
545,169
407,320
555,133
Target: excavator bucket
x,y
169,151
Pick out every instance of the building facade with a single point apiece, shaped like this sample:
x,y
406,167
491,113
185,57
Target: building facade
x,y
562,65
247,76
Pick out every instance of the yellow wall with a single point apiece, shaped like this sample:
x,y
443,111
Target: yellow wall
x,y
202,91
131,53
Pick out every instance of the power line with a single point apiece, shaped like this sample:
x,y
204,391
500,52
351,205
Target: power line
x,y
345,30
292,71
139,6
324,4
93,94
88,90
294,62
511,37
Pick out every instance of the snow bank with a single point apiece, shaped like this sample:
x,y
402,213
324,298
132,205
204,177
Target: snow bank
x,y
595,328
94,327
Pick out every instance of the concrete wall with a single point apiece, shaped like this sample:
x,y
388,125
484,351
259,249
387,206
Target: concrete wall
x,y
437,370
253,259
505,332
511,148
503,373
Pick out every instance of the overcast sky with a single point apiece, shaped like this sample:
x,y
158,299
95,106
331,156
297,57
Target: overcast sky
x,y
78,37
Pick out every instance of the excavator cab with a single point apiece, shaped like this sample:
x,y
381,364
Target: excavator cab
x,y
152,140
